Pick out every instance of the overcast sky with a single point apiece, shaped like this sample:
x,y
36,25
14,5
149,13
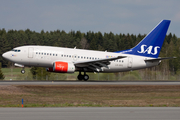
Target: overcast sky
x,y
117,16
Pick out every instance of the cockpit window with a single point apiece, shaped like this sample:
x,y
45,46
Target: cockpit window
x,y
15,50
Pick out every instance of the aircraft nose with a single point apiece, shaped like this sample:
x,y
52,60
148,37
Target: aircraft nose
x,y
5,55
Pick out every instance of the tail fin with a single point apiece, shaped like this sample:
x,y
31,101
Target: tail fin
x,y
151,45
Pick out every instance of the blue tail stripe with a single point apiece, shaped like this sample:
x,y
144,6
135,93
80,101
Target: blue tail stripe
x,y
151,45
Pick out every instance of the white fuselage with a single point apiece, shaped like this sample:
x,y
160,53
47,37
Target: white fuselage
x,y
45,56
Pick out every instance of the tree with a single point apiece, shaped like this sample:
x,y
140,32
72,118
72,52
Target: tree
x,y
1,74
89,40
84,43
40,73
4,46
93,44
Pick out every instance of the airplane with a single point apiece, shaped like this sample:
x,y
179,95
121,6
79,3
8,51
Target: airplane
x,y
68,60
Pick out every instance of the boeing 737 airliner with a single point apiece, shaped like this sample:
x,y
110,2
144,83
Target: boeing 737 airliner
x,y
68,60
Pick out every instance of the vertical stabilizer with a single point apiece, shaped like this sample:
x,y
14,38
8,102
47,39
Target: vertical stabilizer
x,y
151,45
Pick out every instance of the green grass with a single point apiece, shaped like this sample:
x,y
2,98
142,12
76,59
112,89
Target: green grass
x,y
90,96
145,75
15,73
14,70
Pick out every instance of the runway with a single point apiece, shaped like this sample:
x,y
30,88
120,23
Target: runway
x,y
92,113
89,83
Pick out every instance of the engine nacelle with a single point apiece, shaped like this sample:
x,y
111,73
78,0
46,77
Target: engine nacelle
x,y
62,67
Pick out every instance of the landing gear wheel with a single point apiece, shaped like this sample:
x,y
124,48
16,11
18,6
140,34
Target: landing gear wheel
x,y
85,77
22,71
80,77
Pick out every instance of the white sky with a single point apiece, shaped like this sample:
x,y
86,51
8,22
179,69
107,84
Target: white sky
x,y
117,16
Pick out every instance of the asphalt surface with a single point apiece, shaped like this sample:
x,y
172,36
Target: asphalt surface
x,y
93,113
88,83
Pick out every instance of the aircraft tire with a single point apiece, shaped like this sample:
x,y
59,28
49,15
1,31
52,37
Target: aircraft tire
x,y
22,71
80,77
86,77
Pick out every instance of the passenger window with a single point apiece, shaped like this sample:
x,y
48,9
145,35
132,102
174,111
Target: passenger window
x,y
47,53
50,54
19,50
44,53
56,54
69,55
36,52
64,55
84,57
87,57
39,53
81,57
90,58
78,56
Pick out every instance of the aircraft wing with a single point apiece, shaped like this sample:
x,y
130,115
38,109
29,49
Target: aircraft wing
x,y
96,65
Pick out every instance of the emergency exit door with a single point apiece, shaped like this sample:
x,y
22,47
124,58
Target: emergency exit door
x,y
30,52
130,62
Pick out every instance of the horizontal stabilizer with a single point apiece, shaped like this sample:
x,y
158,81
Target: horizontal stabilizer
x,y
151,60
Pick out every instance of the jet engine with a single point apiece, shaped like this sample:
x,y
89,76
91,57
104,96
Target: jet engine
x,y
62,67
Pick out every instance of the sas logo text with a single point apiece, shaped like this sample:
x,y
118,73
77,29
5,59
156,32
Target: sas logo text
x,y
148,50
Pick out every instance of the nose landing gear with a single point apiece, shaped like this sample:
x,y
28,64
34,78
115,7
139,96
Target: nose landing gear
x,y
23,71
84,77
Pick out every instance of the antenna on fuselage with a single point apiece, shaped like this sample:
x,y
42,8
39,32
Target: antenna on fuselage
x,y
75,47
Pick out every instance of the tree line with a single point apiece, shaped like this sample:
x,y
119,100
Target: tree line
x,y
89,40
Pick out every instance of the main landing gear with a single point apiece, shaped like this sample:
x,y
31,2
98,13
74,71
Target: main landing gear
x,y
84,77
